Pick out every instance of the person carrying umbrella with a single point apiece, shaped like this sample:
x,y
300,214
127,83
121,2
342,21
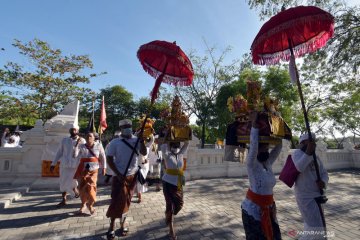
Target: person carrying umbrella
x,y
307,188
123,157
289,34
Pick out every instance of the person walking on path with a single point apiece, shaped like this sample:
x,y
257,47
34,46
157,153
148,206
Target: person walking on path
x,y
258,208
92,157
307,188
124,164
173,181
68,164
144,169
154,158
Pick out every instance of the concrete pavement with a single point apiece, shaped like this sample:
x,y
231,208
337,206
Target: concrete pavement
x,y
211,211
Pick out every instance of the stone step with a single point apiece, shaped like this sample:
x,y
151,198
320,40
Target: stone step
x,y
9,194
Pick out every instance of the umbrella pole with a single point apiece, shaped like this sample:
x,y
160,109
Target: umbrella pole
x,y
154,93
323,198
137,142
306,120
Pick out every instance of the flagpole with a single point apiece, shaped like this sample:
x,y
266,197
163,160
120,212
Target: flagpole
x,y
100,128
102,120
93,113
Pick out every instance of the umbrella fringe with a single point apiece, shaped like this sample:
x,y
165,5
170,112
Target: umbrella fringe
x,y
311,46
176,81
321,21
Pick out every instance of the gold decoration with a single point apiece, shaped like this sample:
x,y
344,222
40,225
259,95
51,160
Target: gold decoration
x,y
253,92
177,116
271,105
148,130
239,106
177,122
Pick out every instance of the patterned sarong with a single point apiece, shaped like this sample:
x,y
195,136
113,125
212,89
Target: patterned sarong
x,y
87,186
253,229
173,198
121,194
87,173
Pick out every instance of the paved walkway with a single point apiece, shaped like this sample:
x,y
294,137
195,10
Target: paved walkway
x,y
211,211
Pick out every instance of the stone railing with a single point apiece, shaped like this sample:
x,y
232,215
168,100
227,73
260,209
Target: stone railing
x,y
209,163
23,165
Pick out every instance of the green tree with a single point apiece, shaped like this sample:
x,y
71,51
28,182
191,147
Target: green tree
x,y
330,76
143,106
119,104
223,116
52,82
211,73
345,110
278,85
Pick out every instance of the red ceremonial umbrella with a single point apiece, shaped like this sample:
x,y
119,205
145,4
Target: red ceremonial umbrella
x,y
289,34
167,63
302,29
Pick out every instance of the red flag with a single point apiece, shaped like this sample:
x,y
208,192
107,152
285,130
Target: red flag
x,y
103,124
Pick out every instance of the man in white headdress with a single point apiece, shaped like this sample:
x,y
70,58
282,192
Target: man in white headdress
x,y
68,164
123,158
307,188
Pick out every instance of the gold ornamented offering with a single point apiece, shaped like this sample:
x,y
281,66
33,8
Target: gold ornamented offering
x,y
253,94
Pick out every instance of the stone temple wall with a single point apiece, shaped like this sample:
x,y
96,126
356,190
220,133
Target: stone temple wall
x,y
23,165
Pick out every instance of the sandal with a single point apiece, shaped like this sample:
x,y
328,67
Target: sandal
x,y
92,211
79,213
91,208
110,235
76,191
123,231
172,237
61,204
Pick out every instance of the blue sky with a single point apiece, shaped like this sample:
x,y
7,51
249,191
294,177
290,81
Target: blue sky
x,y
110,32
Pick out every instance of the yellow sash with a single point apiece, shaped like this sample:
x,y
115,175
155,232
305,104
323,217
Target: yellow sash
x,y
176,172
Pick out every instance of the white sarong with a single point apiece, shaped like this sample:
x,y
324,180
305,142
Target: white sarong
x,y
67,181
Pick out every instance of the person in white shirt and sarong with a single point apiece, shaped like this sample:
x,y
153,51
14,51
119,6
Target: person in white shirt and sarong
x,y
92,158
125,166
68,164
173,181
307,188
144,165
154,158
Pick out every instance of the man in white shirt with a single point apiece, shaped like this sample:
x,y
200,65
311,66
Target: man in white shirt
x,y
17,137
11,143
307,188
123,158
68,164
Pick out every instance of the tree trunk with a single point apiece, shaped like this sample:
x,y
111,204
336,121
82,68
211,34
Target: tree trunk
x,y
203,135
